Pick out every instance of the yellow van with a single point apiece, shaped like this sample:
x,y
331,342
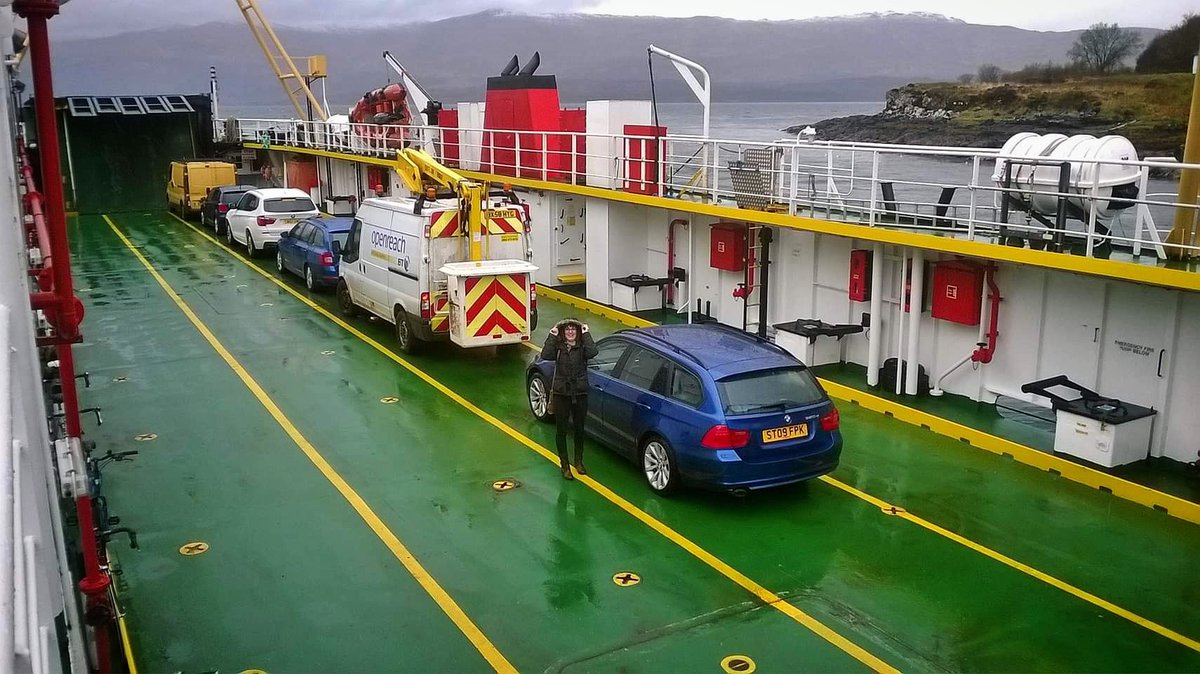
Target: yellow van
x,y
190,182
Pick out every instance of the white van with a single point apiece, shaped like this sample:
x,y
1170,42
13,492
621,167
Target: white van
x,y
395,260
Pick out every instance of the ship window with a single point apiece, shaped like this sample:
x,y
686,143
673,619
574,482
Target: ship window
x,y
131,105
81,106
155,104
106,104
178,103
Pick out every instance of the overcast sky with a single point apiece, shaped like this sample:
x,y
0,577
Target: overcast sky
x,y
107,17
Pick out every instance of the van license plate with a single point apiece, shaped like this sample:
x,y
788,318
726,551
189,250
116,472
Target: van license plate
x,y
784,433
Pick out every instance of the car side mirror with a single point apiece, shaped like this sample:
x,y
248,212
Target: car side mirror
x,y
284,235
336,248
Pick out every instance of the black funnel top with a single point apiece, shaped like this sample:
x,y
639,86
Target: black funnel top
x,y
511,68
532,65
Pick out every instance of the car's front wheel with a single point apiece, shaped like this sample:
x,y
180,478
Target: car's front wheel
x,y
279,261
229,237
538,393
659,466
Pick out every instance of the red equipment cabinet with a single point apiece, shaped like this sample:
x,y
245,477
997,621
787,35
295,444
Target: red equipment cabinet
x,y
860,275
727,246
957,292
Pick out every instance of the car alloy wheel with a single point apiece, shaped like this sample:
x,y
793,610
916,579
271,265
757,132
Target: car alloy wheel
x,y
658,465
539,397
309,281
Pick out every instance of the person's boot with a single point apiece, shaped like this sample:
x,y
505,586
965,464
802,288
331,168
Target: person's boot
x,y
579,461
565,467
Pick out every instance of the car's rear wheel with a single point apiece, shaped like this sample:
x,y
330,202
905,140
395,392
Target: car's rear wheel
x,y
309,281
250,249
659,466
538,393
404,332
345,301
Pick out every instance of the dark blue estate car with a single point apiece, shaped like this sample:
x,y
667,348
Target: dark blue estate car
x,y
704,405
308,250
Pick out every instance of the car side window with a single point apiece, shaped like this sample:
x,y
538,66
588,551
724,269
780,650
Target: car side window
x,y
296,231
644,369
244,204
608,355
301,232
685,387
316,236
350,250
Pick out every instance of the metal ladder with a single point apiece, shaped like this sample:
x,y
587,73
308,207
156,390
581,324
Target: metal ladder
x,y
753,289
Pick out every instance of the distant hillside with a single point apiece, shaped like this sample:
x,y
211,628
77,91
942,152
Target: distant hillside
x,y
1150,110
854,58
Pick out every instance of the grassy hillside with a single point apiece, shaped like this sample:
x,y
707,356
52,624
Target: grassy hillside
x,y
1151,110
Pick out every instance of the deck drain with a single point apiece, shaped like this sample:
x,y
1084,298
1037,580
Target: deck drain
x,y
194,548
328,352
738,664
252,671
389,400
188,245
266,304
145,437
505,485
626,579
118,380
893,510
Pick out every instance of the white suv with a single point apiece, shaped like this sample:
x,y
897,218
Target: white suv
x,y
260,216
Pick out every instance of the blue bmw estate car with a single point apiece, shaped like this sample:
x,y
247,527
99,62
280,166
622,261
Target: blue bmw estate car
x,y
308,250
704,405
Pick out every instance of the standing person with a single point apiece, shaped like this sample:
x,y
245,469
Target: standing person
x,y
570,346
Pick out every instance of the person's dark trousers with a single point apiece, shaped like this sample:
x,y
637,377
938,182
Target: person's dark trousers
x,y
570,412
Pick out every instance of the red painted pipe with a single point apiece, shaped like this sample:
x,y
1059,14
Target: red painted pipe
x,y
33,203
984,354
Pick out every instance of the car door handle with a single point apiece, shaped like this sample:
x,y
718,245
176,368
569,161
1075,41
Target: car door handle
x,y
644,406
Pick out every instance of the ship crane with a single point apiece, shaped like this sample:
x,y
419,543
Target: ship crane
x,y
295,80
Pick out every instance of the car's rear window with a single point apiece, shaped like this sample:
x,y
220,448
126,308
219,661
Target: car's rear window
x,y
289,205
340,237
766,390
231,197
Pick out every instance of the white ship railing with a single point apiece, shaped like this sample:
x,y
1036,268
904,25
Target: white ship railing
x,y
830,180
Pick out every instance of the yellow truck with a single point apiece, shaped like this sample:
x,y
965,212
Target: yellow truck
x,y
190,182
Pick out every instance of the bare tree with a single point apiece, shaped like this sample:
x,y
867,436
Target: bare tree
x,y
966,78
988,72
1103,47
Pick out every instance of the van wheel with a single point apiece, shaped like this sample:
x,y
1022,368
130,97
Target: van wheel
x,y
537,391
309,281
404,332
659,466
345,302
250,249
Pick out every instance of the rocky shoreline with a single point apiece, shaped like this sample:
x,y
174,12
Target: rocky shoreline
x,y
966,116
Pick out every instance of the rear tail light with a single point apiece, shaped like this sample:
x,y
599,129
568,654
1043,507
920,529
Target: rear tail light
x,y
532,296
263,221
426,311
831,421
222,208
724,437
327,259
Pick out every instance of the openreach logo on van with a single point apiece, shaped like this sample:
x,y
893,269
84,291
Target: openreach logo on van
x,y
387,247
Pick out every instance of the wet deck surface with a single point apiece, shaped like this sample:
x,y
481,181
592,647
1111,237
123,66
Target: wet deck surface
x,y
298,578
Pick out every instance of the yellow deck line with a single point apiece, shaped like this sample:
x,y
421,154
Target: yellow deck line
x,y
762,593
1126,271
932,422
122,626
414,567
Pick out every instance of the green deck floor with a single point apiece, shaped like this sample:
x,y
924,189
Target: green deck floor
x,y
296,580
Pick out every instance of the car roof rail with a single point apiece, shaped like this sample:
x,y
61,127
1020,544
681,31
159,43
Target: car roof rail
x,y
674,347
